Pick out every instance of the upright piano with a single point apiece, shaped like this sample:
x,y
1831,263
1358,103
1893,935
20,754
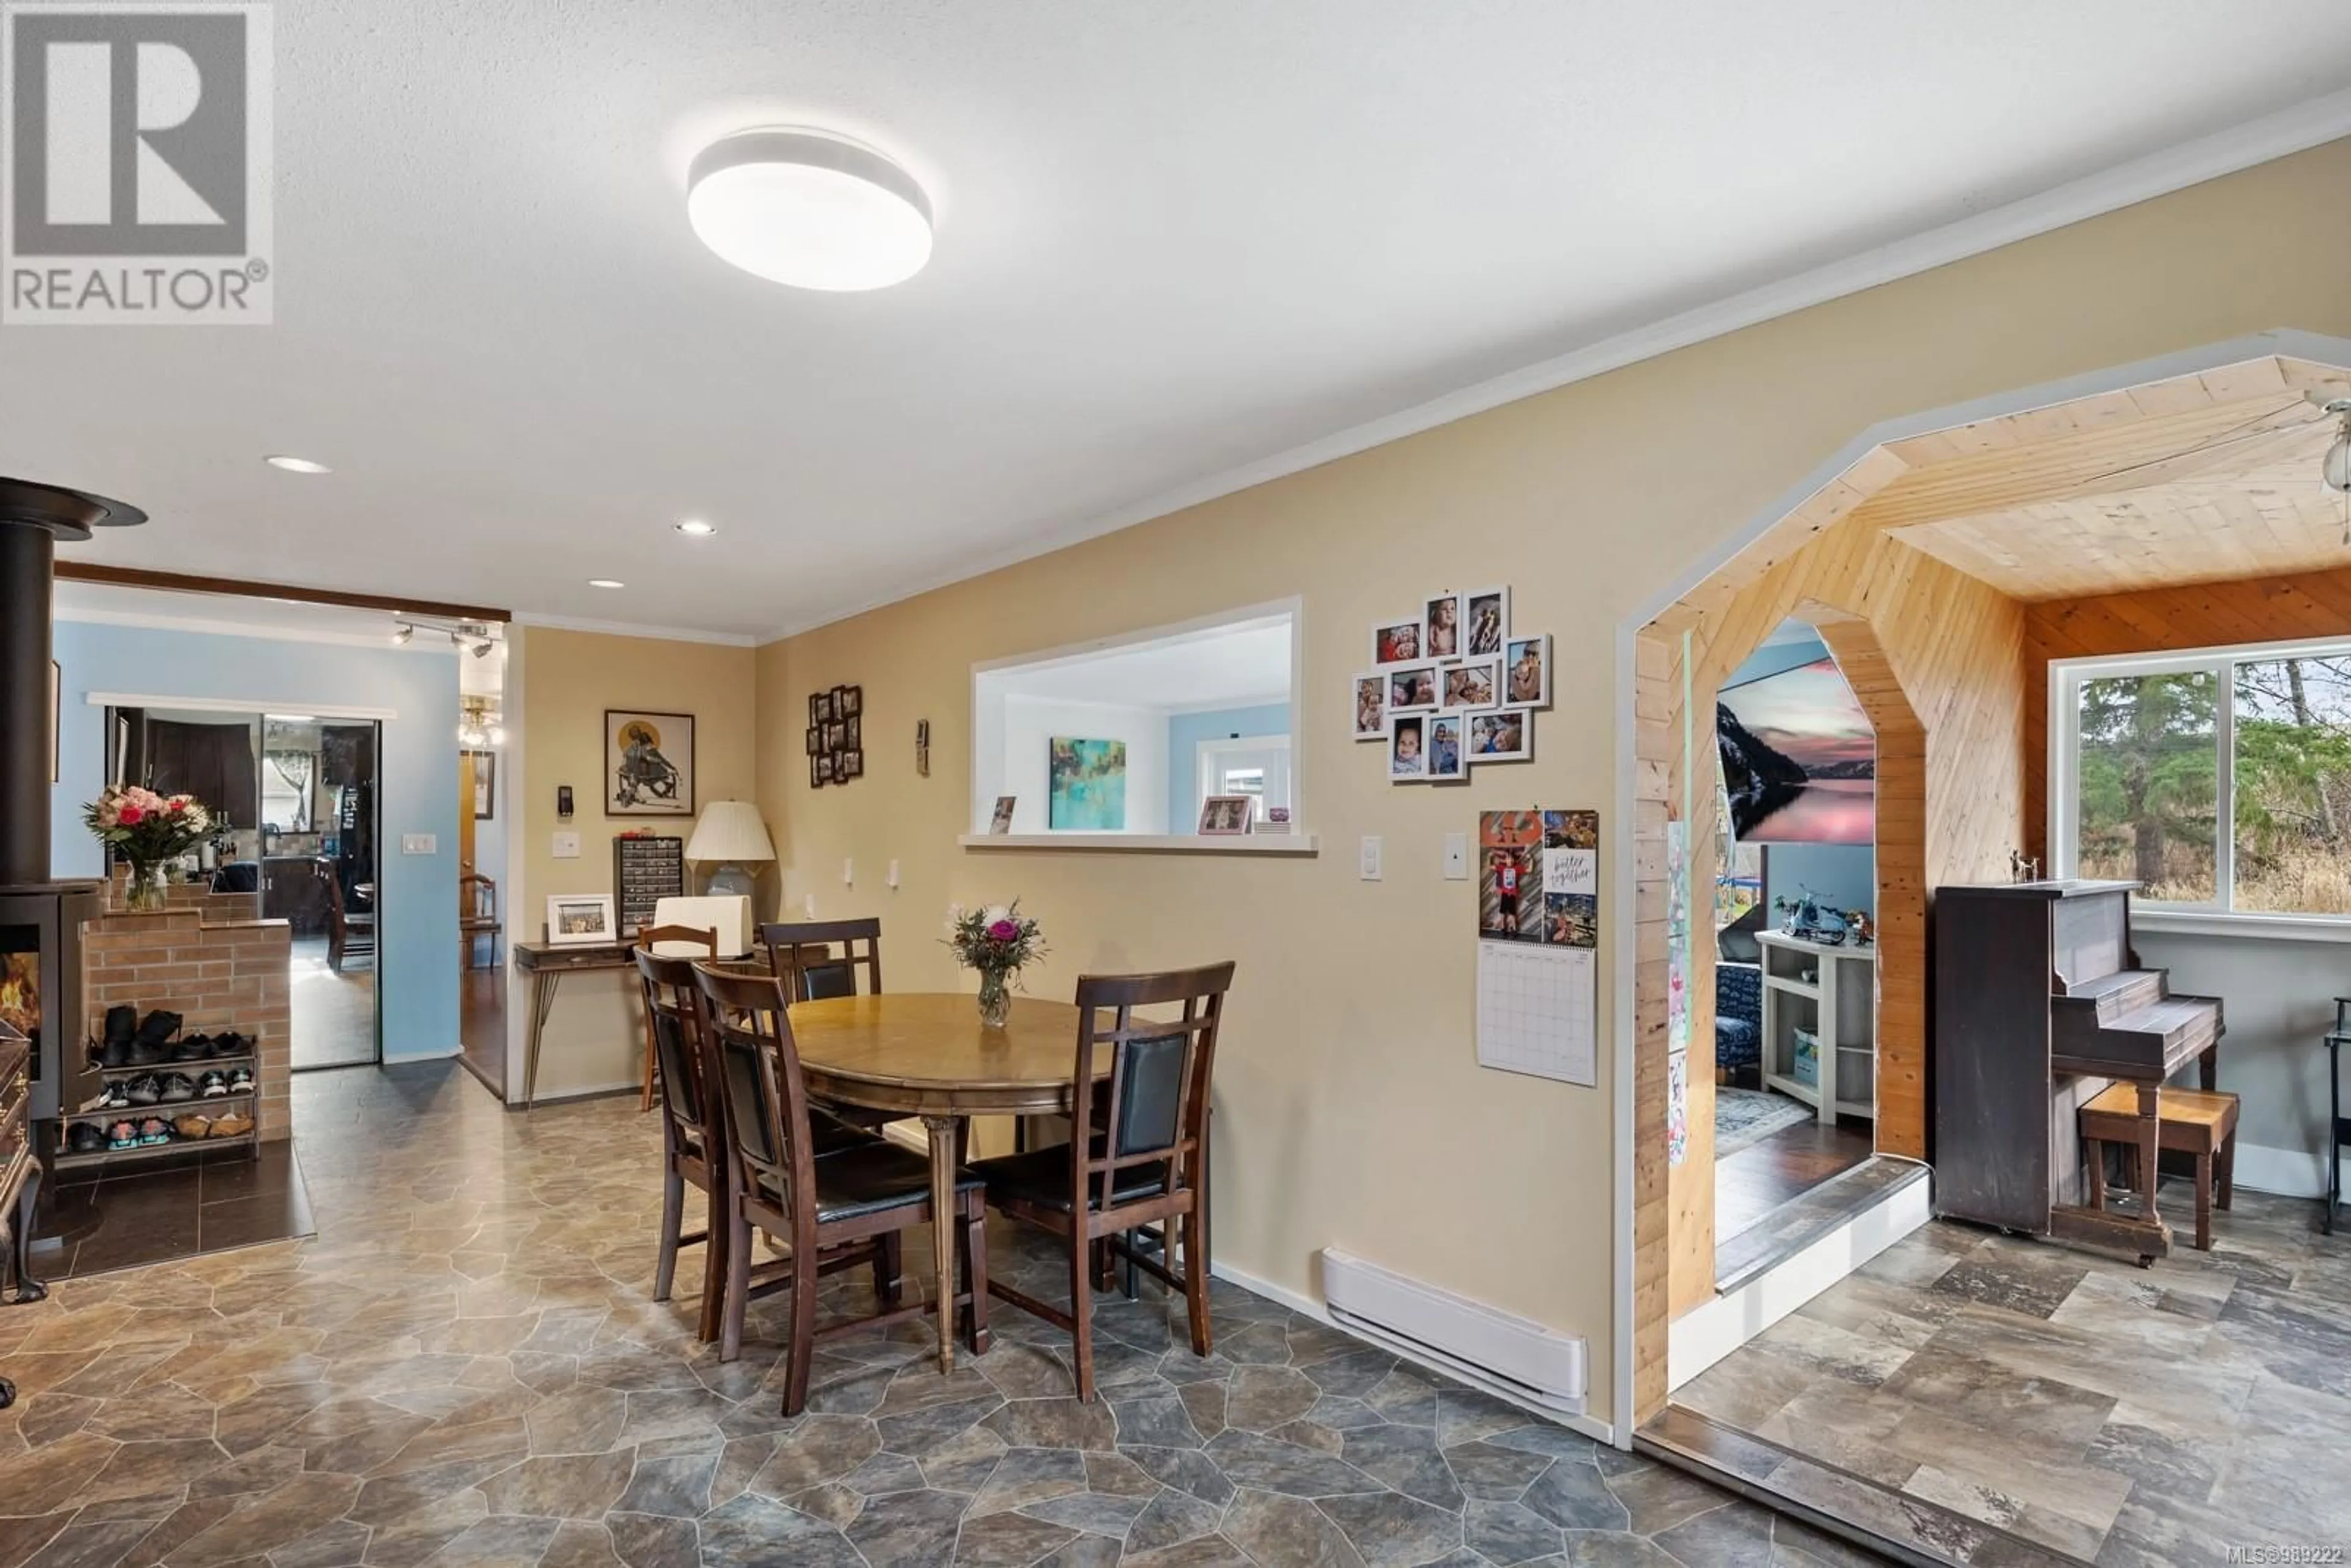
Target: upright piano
x,y
2040,1005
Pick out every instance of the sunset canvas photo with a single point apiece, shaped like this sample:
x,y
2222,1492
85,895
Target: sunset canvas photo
x,y
1799,758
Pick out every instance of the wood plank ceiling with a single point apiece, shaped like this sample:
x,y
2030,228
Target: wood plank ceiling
x,y
2198,479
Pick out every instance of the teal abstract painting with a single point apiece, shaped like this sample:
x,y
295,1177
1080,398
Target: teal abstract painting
x,y
1089,786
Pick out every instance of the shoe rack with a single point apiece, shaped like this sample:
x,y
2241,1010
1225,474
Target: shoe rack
x,y
241,1103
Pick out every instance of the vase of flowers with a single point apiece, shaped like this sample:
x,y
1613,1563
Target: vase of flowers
x,y
999,942
148,831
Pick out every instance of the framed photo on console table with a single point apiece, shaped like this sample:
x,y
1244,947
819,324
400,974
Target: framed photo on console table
x,y
579,920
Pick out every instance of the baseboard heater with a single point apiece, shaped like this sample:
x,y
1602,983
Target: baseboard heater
x,y
1512,1356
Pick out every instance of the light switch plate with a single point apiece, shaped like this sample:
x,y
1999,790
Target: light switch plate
x,y
1456,857
849,873
1369,868
567,846
894,873
419,844
809,905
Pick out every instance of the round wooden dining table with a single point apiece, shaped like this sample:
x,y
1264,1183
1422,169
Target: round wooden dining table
x,y
927,1054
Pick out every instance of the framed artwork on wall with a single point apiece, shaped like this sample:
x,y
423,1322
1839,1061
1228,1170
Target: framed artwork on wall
x,y
1526,671
485,785
1088,786
1440,627
1371,702
1397,642
648,764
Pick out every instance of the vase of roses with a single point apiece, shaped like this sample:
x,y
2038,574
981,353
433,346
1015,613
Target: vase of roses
x,y
149,830
999,942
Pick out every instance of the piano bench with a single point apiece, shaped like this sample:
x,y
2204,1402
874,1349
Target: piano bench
x,y
2201,1123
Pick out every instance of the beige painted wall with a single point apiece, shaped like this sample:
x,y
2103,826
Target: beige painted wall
x,y
1350,1108
563,681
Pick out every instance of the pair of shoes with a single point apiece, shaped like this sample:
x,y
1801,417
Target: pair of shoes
x,y
193,1126
144,1089
123,1135
155,1032
212,1085
236,1125
121,1024
109,1097
174,1087
230,1043
154,1130
240,1080
86,1138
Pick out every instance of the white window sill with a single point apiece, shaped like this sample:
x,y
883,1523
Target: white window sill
x,y
1290,843
2243,927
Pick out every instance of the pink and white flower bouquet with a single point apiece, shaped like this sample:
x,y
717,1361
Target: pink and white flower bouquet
x,y
147,830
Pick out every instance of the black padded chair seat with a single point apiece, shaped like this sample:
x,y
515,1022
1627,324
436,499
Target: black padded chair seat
x,y
1041,1176
873,1177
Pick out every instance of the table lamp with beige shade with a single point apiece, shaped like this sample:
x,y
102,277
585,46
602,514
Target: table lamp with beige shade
x,y
730,835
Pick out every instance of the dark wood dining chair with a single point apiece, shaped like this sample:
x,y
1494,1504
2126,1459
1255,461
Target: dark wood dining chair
x,y
654,937
477,916
350,933
801,953
1144,1165
693,1137
835,1210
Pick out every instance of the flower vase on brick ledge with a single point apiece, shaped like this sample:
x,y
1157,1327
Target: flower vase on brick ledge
x,y
149,831
998,942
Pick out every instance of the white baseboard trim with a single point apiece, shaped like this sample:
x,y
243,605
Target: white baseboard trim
x,y
1705,1335
2287,1173
1592,1427
390,1059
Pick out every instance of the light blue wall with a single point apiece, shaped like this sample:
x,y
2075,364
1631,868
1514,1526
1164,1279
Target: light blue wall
x,y
1843,876
1184,733
417,897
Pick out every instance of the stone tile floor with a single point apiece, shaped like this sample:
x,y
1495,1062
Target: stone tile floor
x,y
463,1367
2115,1414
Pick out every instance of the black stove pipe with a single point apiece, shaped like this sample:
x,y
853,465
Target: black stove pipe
x,y
33,518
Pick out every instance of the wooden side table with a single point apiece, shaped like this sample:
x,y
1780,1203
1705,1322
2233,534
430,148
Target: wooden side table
x,y
547,963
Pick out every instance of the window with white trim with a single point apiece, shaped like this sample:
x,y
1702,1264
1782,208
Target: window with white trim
x,y
2219,780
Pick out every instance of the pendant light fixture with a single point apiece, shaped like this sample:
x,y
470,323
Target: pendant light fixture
x,y
808,209
2335,468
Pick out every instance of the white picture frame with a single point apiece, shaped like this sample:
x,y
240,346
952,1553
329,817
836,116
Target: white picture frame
x,y
1367,698
1440,627
1445,742
1469,684
580,920
1403,770
1478,641
1501,735
1396,641
1518,690
1421,684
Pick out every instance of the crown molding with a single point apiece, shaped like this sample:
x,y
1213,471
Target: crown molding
x,y
2295,129
631,629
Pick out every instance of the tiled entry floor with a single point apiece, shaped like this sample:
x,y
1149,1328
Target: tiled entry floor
x,y
139,1214
464,1368
2116,1415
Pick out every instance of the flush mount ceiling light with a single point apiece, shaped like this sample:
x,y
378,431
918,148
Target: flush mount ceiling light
x,y
809,210
697,527
298,465
606,582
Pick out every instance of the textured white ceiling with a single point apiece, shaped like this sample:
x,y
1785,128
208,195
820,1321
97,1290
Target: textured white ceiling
x,y
1174,240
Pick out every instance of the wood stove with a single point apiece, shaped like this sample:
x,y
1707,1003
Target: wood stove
x,y
40,919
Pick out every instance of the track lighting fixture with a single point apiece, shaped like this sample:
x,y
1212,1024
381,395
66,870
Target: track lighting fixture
x,y
403,633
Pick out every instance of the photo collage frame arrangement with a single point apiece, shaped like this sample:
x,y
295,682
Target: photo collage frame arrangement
x,y
1452,688
836,736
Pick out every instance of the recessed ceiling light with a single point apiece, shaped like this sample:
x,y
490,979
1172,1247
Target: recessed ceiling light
x,y
298,465
808,209
606,582
697,527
